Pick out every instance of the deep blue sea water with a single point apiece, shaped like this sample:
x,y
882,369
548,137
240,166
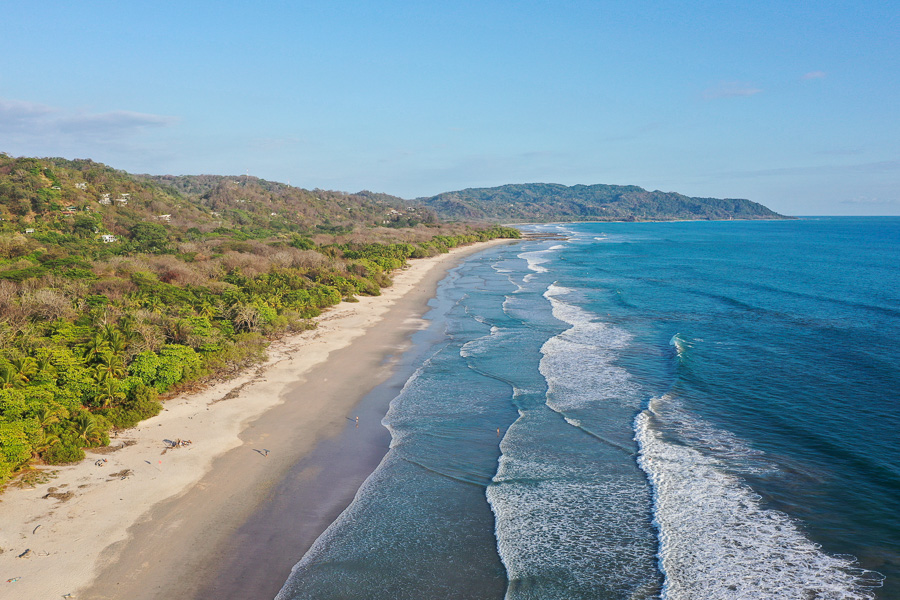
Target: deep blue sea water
x,y
692,410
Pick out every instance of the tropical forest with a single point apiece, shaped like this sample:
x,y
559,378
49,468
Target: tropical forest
x,y
117,289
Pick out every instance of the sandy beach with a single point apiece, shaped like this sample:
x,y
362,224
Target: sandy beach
x,y
274,455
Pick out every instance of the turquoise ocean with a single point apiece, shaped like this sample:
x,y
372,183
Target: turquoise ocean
x,y
696,410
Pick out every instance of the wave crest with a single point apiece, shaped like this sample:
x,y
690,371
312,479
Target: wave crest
x,y
718,542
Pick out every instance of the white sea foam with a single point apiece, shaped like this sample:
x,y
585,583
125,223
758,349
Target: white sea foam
x,y
573,422
578,364
535,259
568,526
712,441
560,532
483,344
718,542
496,267
679,344
572,526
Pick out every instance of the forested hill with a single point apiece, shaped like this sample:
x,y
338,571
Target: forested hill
x,y
45,194
115,287
542,202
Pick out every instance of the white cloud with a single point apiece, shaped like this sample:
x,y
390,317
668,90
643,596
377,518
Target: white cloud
x,y
731,89
32,120
16,115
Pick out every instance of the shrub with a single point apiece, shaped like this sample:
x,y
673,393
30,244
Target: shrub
x,y
15,449
145,366
176,363
140,404
60,454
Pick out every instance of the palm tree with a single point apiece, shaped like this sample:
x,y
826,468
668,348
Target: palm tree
x,y
26,368
126,325
95,347
152,303
111,365
205,309
275,299
178,331
49,440
109,392
45,365
117,342
86,427
9,378
47,416
107,331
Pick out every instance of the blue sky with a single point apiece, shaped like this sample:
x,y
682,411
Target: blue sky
x,y
794,105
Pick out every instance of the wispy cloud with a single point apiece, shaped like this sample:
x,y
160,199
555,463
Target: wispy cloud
x,y
814,75
27,119
731,89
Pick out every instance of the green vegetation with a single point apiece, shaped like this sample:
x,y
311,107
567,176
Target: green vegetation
x,y
542,202
105,306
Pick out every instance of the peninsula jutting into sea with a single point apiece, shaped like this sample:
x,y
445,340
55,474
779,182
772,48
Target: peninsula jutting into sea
x,y
221,386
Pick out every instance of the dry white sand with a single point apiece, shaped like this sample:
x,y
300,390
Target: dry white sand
x,y
51,546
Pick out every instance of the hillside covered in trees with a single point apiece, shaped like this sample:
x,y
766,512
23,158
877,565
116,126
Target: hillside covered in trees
x,y
543,202
116,288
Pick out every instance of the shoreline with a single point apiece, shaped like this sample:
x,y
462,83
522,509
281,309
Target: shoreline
x,y
150,521
523,223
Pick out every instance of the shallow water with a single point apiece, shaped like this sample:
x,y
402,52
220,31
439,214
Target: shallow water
x,y
695,410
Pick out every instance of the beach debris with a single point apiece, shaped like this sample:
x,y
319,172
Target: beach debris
x,y
100,462
178,443
123,474
13,580
68,596
62,497
35,529
25,554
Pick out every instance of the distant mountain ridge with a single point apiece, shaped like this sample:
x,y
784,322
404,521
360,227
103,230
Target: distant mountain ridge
x,y
544,202
53,193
